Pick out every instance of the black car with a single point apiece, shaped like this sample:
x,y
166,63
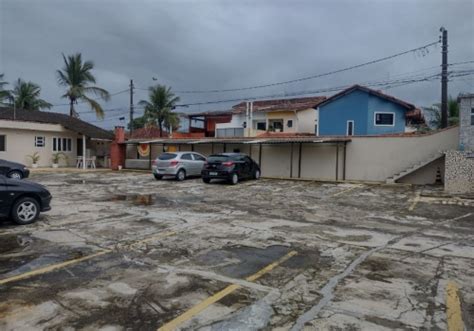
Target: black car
x,y
230,166
22,200
13,169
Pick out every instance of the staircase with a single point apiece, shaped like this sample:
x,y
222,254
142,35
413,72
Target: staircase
x,y
414,168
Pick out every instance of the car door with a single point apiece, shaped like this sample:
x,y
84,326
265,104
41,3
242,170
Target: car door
x,y
4,197
188,163
199,161
4,167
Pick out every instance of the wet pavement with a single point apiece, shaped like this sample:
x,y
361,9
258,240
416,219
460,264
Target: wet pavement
x,y
121,251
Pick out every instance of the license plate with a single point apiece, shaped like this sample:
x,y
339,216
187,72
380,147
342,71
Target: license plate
x,y
212,173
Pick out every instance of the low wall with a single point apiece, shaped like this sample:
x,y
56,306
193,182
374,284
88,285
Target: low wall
x,y
459,177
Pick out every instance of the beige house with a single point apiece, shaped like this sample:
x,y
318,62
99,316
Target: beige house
x,y
23,133
293,116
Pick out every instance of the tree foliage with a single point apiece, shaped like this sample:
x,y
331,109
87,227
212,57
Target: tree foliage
x,y
159,107
77,77
27,96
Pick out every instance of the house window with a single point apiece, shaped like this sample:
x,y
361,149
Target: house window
x,y
472,116
62,144
262,126
39,141
350,128
3,145
289,123
384,119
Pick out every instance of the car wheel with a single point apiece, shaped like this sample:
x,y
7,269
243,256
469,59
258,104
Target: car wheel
x,y
256,175
15,174
206,180
25,211
181,175
234,179
158,177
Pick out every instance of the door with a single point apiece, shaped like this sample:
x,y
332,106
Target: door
x,y
199,161
4,197
188,163
350,128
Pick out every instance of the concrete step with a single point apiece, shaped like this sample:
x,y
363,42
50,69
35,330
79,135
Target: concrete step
x,y
393,179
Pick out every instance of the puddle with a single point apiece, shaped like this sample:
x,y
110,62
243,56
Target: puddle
x,y
9,243
41,261
244,261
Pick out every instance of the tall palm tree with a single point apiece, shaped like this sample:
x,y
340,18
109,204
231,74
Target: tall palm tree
x,y
77,77
435,113
4,94
158,109
27,96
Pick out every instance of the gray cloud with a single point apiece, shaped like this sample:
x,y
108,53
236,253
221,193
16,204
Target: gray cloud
x,y
201,45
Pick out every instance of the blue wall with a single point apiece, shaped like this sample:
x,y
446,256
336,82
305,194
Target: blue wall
x,y
360,107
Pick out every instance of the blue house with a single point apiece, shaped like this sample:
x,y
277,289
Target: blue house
x,y
359,110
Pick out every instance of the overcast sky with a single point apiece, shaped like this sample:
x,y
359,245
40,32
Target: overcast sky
x,y
200,45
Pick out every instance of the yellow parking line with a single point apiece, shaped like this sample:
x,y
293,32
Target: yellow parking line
x,y
453,308
416,199
344,191
53,267
173,324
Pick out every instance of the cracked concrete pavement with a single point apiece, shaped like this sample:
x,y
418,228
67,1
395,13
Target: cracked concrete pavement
x,y
121,251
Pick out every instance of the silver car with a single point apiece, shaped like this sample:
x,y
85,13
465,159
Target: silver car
x,y
178,164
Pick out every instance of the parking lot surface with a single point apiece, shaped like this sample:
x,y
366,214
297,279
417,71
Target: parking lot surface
x,y
121,251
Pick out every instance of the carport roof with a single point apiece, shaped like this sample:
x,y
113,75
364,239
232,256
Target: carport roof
x,y
253,140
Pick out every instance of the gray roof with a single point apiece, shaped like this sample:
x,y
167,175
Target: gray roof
x,y
68,122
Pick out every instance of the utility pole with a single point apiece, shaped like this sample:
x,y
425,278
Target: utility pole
x,y
444,77
131,107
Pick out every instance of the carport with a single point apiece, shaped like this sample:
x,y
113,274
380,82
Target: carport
x,y
292,157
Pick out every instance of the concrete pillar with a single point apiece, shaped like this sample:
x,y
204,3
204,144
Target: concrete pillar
x,y
84,140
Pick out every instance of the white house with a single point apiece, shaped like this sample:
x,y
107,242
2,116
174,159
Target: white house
x,y
22,133
296,115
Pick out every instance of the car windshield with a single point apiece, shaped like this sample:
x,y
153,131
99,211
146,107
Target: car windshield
x,y
167,156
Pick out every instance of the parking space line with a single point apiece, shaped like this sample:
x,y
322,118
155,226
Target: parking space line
x,y
57,266
173,324
416,199
52,267
453,308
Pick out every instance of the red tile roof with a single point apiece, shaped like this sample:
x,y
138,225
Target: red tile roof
x,y
294,104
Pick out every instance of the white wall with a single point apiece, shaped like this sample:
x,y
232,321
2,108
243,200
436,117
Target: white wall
x,y
21,142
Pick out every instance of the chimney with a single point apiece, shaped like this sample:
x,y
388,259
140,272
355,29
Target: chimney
x,y
119,134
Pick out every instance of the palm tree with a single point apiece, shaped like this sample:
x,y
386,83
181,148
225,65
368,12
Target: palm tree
x,y
435,113
27,96
158,110
4,94
77,77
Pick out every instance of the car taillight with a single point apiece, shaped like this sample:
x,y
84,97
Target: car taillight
x,y
174,163
228,164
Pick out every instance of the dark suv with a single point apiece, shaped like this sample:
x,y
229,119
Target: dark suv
x,y
230,166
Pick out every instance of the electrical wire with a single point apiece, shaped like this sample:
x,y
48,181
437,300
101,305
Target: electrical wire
x,y
425,47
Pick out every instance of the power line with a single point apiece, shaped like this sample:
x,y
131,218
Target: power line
x,y
95,99
316,75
